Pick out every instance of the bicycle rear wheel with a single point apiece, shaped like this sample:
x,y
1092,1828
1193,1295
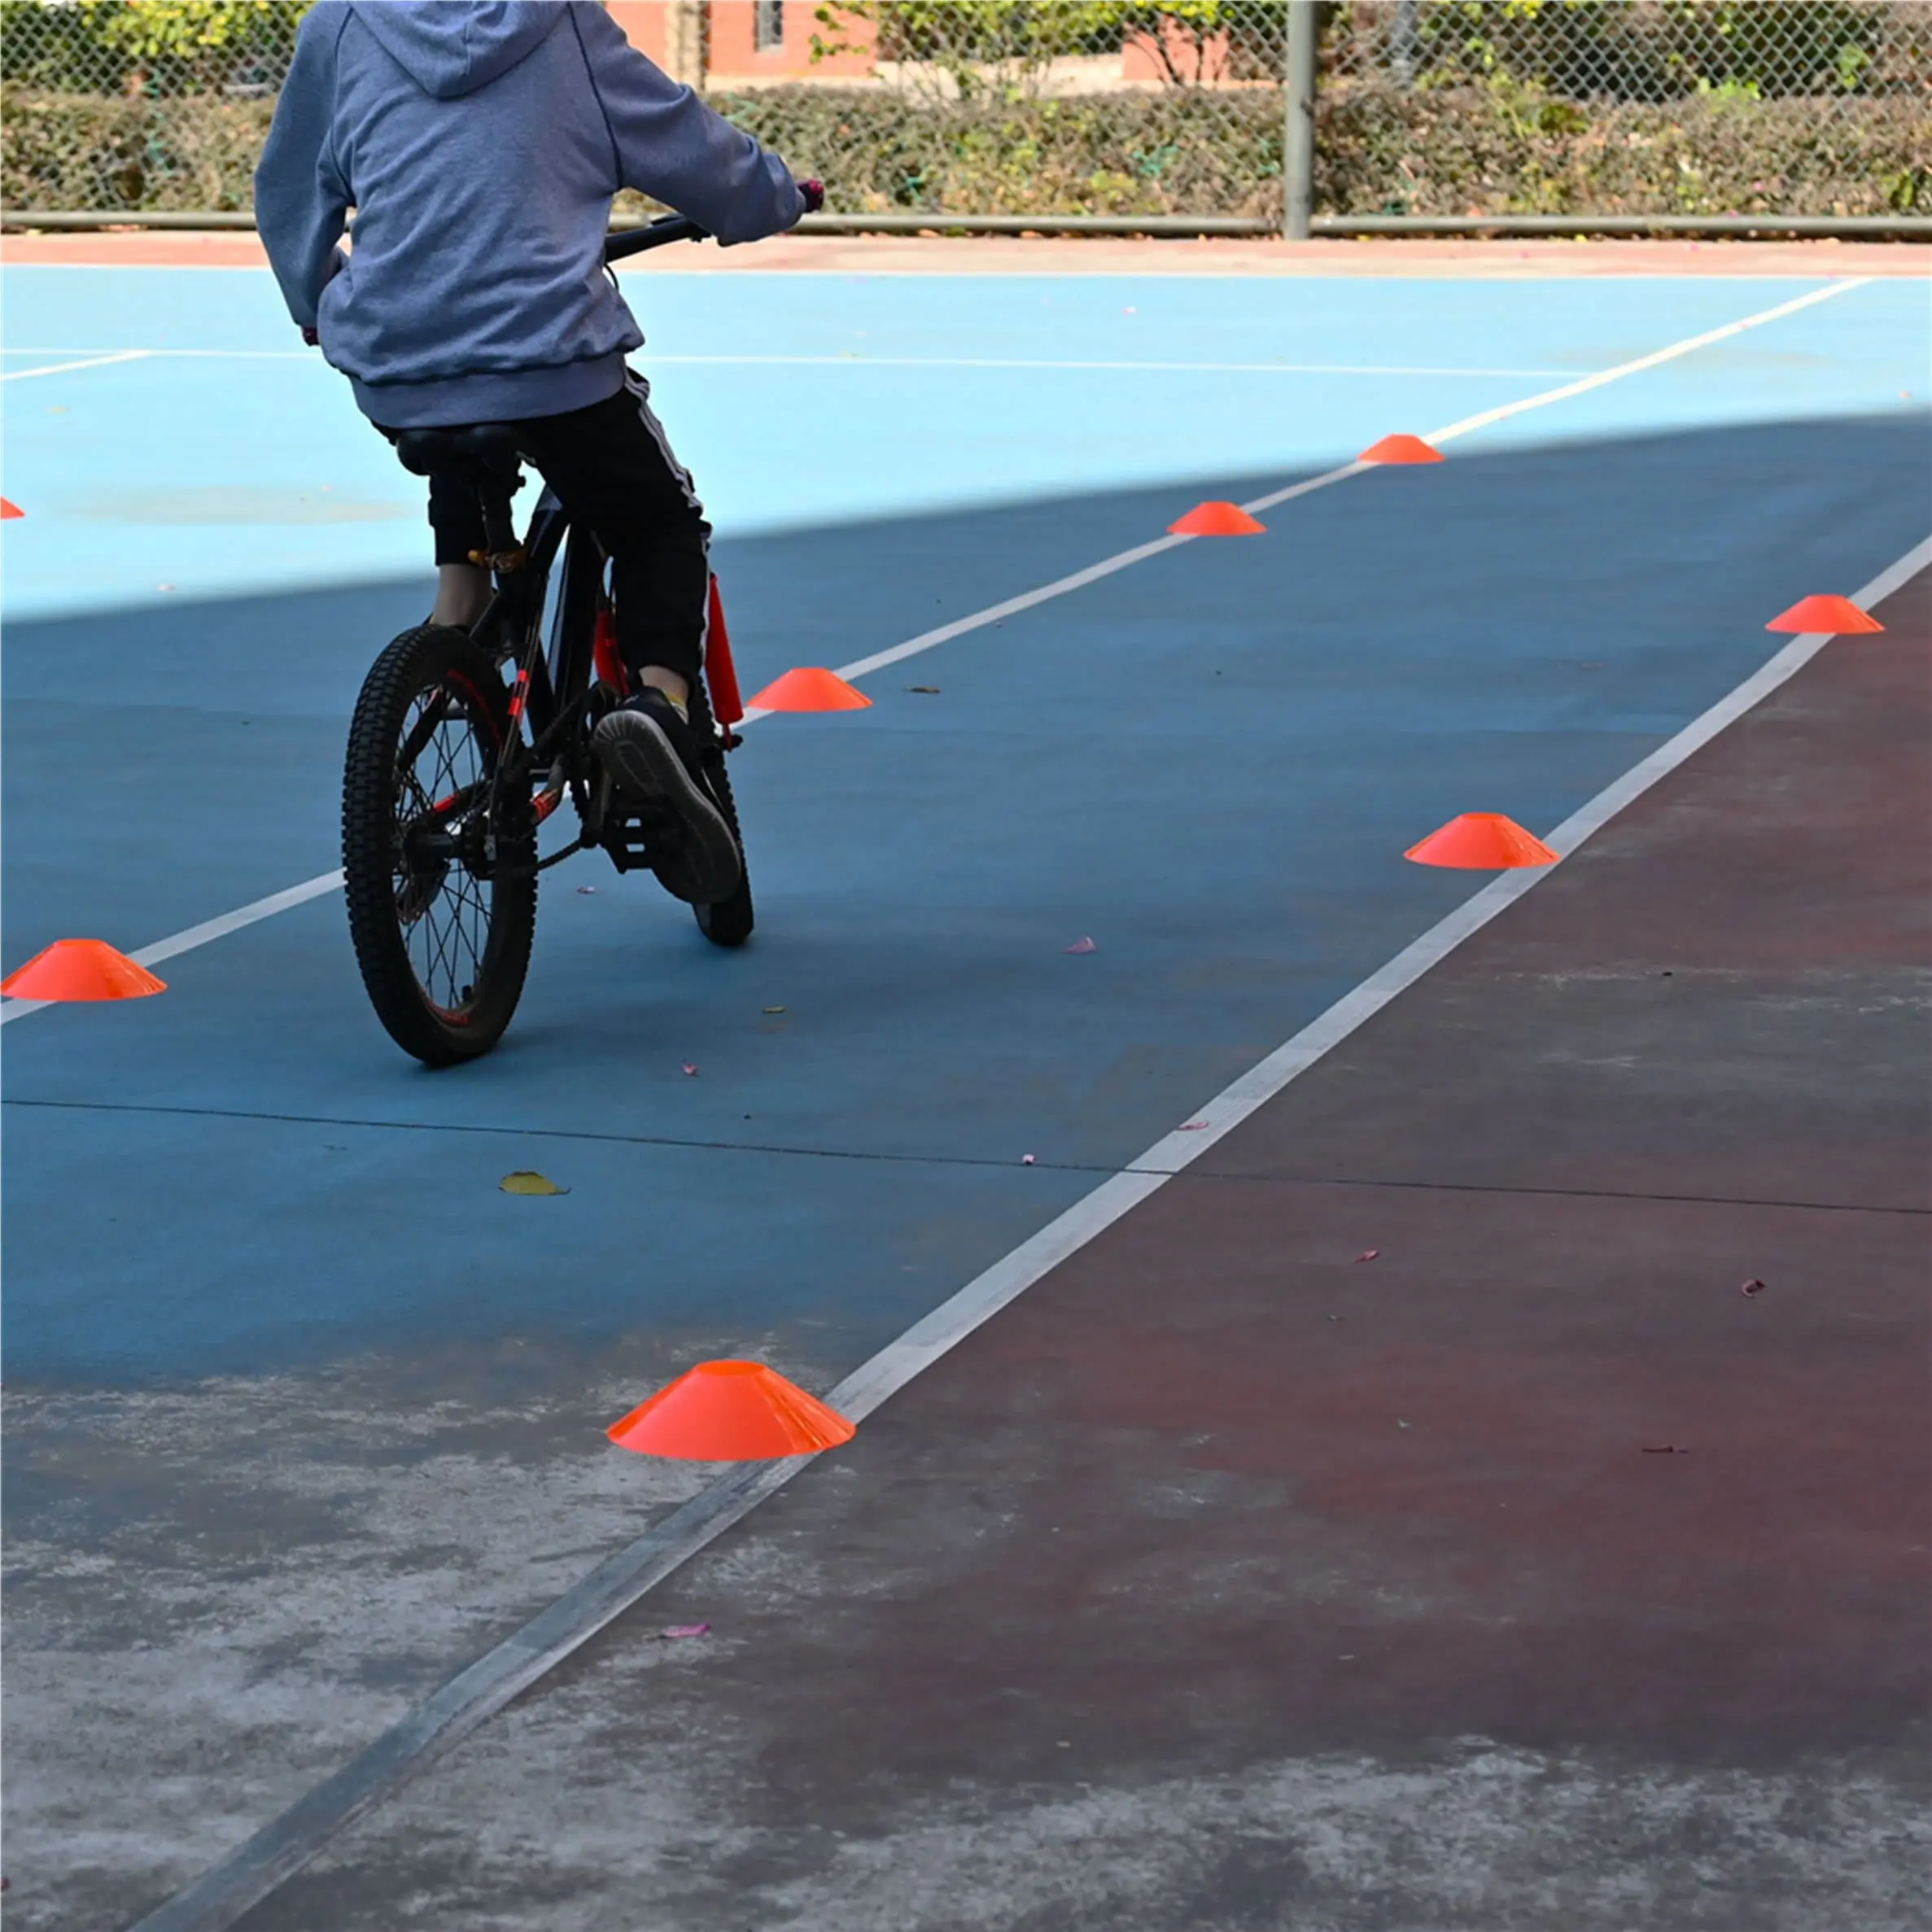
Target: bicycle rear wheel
x,y
441,891
729,922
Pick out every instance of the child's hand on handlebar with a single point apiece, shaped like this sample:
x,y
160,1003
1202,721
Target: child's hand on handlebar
x,y
814,192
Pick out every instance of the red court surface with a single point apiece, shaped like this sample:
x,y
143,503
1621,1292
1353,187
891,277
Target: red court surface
x,y
1403,1519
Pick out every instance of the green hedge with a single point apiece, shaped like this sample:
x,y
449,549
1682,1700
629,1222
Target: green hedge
x,y
1179,151
1482,149
1502,148
102,151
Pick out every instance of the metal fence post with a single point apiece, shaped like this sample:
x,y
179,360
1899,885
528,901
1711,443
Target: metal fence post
x,y
1298,148
684,42
1405,41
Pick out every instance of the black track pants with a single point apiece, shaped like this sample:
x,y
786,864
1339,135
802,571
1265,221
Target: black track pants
x,y
612,468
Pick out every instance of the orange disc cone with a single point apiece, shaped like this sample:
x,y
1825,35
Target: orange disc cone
x,y
81,969
810,689
730,1412
9,510
1401,449
1835,616
1217,519
1482,841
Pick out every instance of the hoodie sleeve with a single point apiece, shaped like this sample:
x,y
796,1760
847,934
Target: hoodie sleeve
x,y
301,200
673,147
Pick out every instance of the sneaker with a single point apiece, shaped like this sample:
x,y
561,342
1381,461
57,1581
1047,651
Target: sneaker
x,y
646,746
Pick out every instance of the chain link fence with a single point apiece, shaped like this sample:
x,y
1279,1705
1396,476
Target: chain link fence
x,y
1775,107
914,111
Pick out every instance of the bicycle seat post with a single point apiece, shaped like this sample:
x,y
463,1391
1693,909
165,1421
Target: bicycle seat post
x,y
485,455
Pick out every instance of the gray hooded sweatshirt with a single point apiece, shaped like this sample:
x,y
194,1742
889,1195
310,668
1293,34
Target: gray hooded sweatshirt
x,y
480,145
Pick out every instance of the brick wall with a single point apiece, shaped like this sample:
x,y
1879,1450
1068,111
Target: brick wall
x,y
671,32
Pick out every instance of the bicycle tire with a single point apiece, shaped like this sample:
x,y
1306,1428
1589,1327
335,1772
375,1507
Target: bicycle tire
x,y
729,922
389,903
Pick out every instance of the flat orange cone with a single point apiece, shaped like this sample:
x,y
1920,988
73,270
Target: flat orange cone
x,y
1217,519
81,969
9,510
1836,617
1482,841
730,1412
1401,449
809,689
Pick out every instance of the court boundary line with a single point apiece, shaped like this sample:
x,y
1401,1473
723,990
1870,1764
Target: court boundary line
x,y
209,929
91,358
279,1849
295,895
777,1150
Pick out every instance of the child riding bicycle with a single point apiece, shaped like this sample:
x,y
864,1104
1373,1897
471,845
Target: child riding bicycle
x,y
480,143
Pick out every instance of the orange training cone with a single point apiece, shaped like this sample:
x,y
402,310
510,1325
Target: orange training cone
x,y
1401,449
1217,519
730,1412
9,510
81,969
1482,841
809,688
1830,616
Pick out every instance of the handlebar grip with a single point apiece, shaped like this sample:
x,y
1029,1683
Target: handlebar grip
x,y
680,228
652,234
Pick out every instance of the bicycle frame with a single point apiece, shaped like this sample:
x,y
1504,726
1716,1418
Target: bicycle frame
x,y
444,965
553,684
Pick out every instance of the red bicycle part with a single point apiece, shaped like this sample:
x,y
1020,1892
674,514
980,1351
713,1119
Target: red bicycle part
x,y
607,664
721,675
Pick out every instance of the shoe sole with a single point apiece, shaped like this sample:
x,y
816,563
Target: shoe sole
x,y
706,868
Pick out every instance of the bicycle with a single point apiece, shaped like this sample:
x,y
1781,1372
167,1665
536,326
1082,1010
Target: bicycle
x,y
454,763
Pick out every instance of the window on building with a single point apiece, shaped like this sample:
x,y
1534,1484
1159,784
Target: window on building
x,y
768,24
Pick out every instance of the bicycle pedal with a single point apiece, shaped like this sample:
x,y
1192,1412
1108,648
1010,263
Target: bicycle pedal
x,y
630,840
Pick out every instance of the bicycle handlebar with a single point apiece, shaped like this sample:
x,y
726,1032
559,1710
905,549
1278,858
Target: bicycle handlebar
x,y
681,228
654,235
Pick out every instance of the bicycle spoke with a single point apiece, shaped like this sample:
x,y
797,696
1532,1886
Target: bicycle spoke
x,y
423,728
441,757
438,847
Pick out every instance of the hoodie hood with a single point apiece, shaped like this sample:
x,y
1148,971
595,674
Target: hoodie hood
x,y
480,146
452,47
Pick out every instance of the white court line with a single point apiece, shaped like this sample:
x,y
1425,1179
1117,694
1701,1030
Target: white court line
x,y
237,1883
1245,369
1079,580
218,927
1060,587
854,361
61,369
240,355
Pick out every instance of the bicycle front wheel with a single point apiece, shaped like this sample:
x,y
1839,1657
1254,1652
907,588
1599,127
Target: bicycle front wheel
x,y
441,889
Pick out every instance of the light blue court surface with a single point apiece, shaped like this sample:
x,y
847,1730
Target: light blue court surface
x,y
1210,762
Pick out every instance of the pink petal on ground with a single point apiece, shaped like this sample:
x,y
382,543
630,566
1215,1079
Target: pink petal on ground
x,y
691,1068
1368,1254
1026,1161
1752,1287
1081,946
686,1630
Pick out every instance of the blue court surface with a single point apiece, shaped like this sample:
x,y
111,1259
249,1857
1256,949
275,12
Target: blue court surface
x,y
304,1411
